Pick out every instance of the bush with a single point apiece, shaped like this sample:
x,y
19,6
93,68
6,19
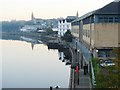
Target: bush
x,y
67,36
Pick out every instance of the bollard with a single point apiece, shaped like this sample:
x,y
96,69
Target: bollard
x,y
50,88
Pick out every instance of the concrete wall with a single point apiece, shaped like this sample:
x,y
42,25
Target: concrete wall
x,y
103,34
89,27
106,35
119,35
75,31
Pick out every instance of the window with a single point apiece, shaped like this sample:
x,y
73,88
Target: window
x,y
116,19
110,19
105,19
101,19
88,33
67,26
84,32
63,21
86,20
60,21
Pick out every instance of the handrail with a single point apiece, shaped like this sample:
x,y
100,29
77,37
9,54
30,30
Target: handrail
x,y
93,75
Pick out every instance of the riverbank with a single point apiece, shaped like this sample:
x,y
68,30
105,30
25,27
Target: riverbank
x,y
33,35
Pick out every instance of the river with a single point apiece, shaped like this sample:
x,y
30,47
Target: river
x,y
31,65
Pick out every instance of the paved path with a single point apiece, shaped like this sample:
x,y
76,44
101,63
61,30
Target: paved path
x,y
84,80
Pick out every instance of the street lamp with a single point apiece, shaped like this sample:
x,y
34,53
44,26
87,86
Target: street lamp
x,y
78,56
78,64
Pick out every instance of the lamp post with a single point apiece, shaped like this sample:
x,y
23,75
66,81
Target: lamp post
x,y
78,64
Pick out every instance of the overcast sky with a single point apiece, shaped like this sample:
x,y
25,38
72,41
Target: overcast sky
x,y
22,9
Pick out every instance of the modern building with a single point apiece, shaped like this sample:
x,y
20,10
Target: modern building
x,y
65,24
98,32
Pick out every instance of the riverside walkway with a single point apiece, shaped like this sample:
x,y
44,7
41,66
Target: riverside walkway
x,y
78,81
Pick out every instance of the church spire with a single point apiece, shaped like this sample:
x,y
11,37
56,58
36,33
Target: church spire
x,y
32,16
77,15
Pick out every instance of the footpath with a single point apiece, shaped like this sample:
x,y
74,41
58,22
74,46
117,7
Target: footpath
x,y
78,81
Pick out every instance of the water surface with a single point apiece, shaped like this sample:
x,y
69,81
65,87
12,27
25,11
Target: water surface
x,y
26,65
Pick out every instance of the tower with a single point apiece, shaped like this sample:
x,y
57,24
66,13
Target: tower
x,y
77,15
32,16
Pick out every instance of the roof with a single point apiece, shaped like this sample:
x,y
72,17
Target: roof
x,y
111,8
71,17
116,0
85,15
68,19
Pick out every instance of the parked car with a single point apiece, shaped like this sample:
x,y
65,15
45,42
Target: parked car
x,y
107,62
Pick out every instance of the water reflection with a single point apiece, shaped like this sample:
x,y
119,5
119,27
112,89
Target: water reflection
x,y
0,66
64,53
32,45
26,68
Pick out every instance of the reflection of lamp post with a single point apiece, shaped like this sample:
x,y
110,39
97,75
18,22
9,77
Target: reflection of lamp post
x,y
78,64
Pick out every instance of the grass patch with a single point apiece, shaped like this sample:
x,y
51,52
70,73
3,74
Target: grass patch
x,y
106,77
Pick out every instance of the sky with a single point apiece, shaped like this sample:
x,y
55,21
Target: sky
x,y
47,9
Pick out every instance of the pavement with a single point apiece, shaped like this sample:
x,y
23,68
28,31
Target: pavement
x,y
84,80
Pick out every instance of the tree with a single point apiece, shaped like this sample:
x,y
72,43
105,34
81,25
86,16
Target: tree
x,y
67,36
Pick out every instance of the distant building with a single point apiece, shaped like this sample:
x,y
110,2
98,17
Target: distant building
x,y
28,28
65,24
33,26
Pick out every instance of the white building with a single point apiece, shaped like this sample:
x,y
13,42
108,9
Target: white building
x,y
65,24
34,26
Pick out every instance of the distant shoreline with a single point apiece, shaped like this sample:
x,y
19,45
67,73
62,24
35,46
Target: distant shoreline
x,y
16,36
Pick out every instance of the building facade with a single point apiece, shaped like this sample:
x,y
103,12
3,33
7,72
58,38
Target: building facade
x,y
98,32
64,25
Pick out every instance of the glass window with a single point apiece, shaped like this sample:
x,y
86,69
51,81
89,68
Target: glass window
x,y
84,32
88,33
105,19
67,26
116,19
63,21
110,19
101,19
60,21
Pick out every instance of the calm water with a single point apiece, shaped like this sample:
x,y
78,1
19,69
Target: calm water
x,y
25,65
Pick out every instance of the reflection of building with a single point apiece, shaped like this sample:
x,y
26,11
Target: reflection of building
x,y
65,24
32,45
61,55
31,40
97,32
